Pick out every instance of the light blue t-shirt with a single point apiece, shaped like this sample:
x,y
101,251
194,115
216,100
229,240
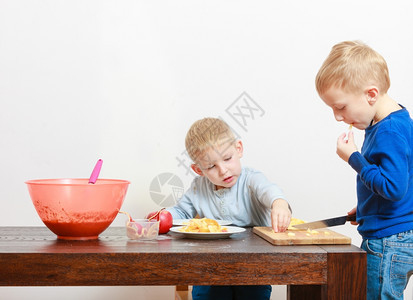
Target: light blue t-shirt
x,y
247,203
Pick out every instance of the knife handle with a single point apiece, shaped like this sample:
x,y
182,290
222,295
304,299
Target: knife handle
x,y
351,217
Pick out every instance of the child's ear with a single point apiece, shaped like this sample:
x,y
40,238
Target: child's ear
x,y
197,169
239,147
372,94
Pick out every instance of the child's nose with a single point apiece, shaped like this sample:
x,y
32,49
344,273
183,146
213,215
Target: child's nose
x,y
222,169
338,117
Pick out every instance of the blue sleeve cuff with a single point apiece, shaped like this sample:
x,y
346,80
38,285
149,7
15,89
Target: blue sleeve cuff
x,y
357,161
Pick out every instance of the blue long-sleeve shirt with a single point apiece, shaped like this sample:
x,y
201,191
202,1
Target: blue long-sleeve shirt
x,y
385,177
247,203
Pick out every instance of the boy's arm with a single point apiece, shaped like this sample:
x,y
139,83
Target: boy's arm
x,y
272,197
280,215
184,209
387,174
178,212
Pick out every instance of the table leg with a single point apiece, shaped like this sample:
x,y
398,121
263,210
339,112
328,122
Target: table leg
x,y
346,280
304,292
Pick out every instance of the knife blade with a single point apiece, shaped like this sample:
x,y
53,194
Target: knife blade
x,y
326,222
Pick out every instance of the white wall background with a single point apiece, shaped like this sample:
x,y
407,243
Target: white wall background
x,y
124,80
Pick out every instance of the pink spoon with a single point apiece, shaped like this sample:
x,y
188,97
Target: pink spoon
x,y
95,172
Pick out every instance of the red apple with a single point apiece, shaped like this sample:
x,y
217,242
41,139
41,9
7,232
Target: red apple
x,y
164,217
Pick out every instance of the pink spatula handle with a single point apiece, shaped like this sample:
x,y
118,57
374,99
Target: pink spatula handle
x,y
96,171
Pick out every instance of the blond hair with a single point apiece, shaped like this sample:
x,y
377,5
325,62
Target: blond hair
x,y
351,65
206,133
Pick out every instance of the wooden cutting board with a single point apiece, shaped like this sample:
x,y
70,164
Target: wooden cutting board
x,y
301,237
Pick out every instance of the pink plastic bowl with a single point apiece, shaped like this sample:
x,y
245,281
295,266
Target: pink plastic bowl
x,y
74,209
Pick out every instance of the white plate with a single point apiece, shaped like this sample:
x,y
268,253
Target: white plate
x,y
179,222
209,235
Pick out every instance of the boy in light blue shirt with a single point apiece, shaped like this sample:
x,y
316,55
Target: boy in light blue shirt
x,y
225,190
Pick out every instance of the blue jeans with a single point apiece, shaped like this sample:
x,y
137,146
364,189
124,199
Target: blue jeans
x,y
389,265
225,292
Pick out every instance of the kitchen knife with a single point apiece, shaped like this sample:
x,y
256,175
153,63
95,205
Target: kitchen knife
x,y
327,222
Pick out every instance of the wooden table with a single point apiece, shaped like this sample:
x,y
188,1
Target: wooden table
x,y
32,256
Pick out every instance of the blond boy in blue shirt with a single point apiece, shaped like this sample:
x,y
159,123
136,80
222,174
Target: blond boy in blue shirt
x,y
353,81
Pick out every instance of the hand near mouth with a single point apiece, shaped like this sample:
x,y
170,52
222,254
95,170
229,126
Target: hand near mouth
x,y
346,147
